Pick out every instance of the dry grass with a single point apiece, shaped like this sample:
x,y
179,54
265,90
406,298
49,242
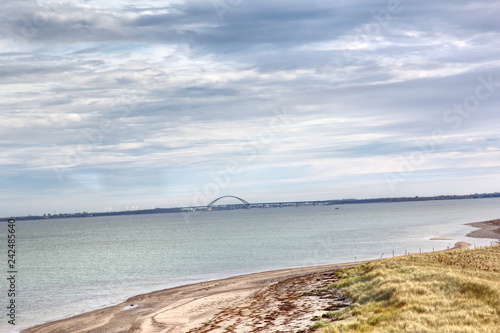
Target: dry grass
x,y
452,291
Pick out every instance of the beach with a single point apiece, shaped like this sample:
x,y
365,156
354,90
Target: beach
x,y
274,301
262,301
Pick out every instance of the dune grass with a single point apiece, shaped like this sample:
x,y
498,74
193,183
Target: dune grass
x,y
450,291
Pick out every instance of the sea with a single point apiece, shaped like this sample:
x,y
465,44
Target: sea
x,y
69,266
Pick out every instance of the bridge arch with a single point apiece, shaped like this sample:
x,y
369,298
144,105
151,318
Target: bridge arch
x,y
228,196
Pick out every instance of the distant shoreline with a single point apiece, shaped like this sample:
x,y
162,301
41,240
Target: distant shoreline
x,y
284,204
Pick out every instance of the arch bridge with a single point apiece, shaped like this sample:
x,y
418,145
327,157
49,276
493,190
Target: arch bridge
x,y
246,203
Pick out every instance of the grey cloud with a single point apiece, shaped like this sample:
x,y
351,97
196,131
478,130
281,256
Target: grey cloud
x,y
176,83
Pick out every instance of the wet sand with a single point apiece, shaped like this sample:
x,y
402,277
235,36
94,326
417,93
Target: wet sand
x,y
440,238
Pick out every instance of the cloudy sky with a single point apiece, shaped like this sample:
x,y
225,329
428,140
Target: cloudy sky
x,y
115,105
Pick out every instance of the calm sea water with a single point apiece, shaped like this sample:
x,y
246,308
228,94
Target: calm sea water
x,y
69,266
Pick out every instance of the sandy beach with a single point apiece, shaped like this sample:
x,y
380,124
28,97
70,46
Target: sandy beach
x,y
275,301
264,302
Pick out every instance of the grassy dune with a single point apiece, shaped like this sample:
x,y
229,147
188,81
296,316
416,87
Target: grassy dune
x,y
451,291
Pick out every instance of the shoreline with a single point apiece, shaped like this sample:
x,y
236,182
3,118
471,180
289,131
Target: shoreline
x,y
487,229
331,202
184,308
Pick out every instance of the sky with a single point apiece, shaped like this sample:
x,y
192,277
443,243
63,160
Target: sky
x,y
121,105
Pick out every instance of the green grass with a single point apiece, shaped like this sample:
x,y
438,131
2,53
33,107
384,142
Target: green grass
x,y
451,291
